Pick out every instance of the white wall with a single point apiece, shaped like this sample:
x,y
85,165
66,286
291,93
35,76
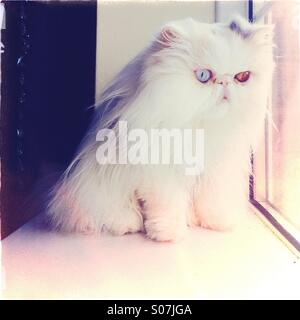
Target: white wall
x,y
226,9
124,28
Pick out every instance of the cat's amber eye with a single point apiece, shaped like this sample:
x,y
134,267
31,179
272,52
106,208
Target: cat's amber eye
x,y
204,75
242,76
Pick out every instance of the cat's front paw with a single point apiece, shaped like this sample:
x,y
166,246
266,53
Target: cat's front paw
x,y
129,222
217,225
222,220
161,229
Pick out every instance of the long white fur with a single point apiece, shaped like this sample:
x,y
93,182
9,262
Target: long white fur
x,y
158,89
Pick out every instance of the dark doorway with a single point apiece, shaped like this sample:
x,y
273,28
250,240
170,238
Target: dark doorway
x,y
48,83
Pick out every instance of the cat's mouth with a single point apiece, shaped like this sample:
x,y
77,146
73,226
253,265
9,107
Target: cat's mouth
x,y
225,97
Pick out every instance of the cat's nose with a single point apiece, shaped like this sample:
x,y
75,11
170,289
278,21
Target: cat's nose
x,y
223,80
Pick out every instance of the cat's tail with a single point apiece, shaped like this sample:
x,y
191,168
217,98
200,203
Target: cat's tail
x,y
72,203
92,198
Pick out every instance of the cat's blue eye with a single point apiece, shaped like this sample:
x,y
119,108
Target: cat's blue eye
x,y
204,75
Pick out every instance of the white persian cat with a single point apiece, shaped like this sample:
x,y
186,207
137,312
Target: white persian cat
x,y
193,75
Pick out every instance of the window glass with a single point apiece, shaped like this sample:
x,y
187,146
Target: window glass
x,y
277,162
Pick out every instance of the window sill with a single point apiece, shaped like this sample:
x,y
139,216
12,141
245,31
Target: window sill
x,y
249,263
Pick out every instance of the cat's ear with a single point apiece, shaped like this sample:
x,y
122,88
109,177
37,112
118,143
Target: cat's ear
x,y
169,35
241,27
260,33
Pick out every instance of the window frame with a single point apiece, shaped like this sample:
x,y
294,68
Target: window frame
x,y
264,208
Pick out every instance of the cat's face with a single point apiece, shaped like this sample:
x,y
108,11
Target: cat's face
x,y
221,69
